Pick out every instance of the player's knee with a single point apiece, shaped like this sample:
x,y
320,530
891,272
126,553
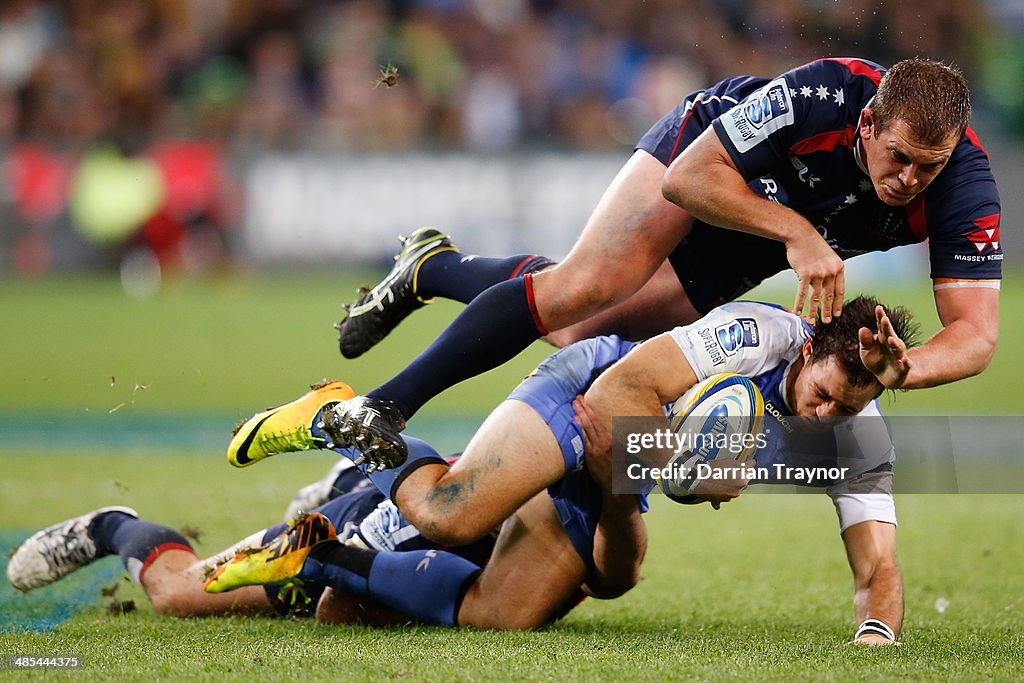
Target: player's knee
x,y
865,571
448,531
565,298
170,605
565,336
441,525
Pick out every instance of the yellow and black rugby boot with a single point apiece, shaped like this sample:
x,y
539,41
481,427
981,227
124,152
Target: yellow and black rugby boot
x,y
287,428
278,561
377,311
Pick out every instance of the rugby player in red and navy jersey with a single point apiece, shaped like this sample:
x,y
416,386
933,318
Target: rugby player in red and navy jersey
x,y
753,175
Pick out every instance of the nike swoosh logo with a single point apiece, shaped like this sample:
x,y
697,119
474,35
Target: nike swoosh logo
x,y
242,456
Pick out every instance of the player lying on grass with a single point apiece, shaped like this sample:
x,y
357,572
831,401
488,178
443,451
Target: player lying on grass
x,y
533,575
741,180
163,562
534,441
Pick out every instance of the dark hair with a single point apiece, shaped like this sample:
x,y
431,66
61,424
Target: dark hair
x,y
840,338
932,97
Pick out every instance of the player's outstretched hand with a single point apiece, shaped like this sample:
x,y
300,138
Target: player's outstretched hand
x,y
821,271
883,353
597,441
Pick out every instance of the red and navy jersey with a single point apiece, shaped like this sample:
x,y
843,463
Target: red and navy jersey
x,y
795,139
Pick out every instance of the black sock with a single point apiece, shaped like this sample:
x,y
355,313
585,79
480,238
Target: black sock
x,y
492,329
456,276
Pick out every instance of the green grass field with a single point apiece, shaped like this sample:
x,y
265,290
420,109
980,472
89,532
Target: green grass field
x,y
108,400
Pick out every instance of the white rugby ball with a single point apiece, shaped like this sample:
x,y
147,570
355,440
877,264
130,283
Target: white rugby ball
x,y
721,417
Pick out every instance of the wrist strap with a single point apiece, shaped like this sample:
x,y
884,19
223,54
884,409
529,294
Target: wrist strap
x,y
874,626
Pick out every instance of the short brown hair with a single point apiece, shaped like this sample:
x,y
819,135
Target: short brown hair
x,y
839,337
932,97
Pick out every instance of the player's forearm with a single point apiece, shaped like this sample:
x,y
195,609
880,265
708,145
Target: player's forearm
x,y
712,191
620,544
880,596
959,350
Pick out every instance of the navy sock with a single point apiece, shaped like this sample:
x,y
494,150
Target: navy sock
x,y
138,542
428,585
492,329
452,275
420,453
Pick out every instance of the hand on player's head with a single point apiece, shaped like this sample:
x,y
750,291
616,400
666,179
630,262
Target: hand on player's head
x,y
822,284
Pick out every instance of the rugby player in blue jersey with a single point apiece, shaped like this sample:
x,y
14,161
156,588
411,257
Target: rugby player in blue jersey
x,y
743,179
533,454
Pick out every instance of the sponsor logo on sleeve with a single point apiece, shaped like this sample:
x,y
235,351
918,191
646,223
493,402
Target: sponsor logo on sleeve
x,y
736,334
985,240
711,347
761,114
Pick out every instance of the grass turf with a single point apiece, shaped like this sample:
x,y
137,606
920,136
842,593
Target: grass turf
x,y
759,590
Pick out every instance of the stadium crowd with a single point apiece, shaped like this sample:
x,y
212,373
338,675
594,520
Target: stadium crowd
x,y
184,91
477,74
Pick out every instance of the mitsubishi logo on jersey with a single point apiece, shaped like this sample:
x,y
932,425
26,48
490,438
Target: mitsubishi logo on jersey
x,y
987,234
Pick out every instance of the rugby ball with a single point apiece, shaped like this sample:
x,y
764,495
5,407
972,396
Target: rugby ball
x,y
719,418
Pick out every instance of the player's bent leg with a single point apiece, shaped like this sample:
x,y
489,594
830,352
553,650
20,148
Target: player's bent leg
x,y
631,232
533,571
660,305
511,457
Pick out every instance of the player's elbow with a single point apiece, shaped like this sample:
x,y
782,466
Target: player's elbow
x,y
679,185
608,588
985,350
977,357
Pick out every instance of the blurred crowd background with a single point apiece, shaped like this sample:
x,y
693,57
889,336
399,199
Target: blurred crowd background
x,y
132,121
